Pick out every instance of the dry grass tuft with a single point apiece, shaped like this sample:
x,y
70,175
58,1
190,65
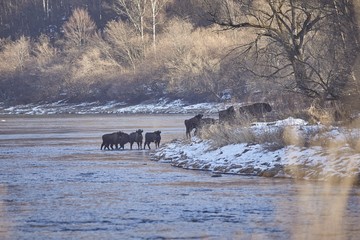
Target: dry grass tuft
x,y
353,140
225,134
329,114
322,115
273,137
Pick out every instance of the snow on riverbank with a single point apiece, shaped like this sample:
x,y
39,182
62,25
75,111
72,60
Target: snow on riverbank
x,y
336,163
62,107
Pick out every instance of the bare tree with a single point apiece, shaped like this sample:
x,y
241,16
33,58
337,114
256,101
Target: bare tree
x,y
134,11
344,21
79,28
43,50
289,33
46,7
15,55
156,7
127,45
191,59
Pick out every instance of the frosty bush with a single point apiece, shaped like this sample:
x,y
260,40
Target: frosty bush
x,y
274,137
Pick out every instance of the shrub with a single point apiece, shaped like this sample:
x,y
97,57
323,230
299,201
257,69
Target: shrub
x,y
273,137
225,134
79,29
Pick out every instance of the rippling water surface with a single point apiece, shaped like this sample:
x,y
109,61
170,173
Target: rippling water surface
x,y
55,183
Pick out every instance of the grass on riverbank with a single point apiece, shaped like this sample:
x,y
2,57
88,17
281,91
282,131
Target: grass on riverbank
x,y
276,135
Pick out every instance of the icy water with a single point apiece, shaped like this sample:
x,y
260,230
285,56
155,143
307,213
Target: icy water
x,y
56,183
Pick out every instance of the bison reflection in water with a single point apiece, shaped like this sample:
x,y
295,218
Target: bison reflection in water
x,y
192,123
136,137
152,137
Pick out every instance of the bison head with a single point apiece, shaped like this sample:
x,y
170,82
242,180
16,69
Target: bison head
x,y
268,107
230,109
199,116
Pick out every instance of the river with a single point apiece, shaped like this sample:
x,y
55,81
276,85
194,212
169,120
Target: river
x,y
56,183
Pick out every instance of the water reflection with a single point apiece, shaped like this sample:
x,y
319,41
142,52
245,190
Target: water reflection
x,y
55,183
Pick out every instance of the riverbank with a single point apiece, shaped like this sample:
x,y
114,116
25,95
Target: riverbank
x,y
161,106
331,156
332,153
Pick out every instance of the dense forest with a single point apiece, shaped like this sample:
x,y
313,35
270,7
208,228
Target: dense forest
x,y
286,52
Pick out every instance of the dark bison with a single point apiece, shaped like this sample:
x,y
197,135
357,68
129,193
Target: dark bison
x,y
227,115
136,137
205,122
152,137
256,109
124,138
109,140
192,123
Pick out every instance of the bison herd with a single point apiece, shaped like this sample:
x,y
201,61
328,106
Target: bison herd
x,y
116,139
228,115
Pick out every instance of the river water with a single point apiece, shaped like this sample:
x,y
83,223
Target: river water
x,y
56,183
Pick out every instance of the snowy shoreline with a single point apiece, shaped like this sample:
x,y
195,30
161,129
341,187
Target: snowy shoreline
x,y
339,163
244,159
162,106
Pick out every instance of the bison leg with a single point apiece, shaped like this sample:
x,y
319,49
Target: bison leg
x,y
196,132
188,133
106,146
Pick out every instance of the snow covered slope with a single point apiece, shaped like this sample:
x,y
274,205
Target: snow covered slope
x,y
336,163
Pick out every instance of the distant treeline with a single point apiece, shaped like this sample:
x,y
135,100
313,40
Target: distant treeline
x,y
197,50
35,17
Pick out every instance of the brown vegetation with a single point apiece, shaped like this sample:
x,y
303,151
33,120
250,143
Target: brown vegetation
x,y
153,49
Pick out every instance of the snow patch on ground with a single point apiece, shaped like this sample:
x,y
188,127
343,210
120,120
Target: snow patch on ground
x,y
335,163
163,105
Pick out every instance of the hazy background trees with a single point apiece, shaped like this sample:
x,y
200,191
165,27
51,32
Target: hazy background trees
x,y
281,51
308,45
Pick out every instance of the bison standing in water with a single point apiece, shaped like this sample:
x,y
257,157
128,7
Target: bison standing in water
x,y
114,139
123,139
192,123
227,115
136,137
109,140
152,137
256,109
